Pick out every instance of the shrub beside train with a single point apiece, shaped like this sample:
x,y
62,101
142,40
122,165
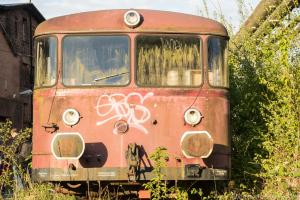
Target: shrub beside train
x,y
112,86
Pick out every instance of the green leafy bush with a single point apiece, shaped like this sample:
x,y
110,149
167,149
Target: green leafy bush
x,y
12,170
41,192
265,110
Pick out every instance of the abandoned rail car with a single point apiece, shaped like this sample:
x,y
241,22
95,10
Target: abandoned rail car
x,y
112,86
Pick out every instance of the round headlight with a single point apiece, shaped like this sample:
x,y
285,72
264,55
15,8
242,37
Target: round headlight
x,y
132,18
121,126
192,116
71,117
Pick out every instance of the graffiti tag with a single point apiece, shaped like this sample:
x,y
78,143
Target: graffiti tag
x,y
118,106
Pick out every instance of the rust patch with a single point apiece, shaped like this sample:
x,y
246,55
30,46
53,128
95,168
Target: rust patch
x,y
197,145
67,146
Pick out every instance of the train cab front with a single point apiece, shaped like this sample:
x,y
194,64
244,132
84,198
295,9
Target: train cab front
x,y
104,102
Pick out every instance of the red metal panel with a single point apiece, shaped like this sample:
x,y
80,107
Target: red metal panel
x,y
155,116
113,21
100,109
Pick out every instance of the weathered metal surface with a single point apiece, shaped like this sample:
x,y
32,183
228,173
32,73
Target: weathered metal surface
x,y
120,174
67,146
144,194
113,21
267,12
261,12
110,148
154,116
197,144
276,17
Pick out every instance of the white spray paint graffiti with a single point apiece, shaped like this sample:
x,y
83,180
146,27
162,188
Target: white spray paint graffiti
x,y
118,106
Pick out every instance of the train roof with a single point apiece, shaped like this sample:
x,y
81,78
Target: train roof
x,y
153,21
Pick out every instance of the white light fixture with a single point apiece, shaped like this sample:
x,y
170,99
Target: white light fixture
x,y
132,18
192,116
71,117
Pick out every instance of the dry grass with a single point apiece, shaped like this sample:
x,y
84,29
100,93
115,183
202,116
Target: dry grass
x,y
156,60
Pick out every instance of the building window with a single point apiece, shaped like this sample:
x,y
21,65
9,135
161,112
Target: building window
x,y
24,29
16,27
8,25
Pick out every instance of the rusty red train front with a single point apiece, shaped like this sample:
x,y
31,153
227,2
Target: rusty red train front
x,y
109,92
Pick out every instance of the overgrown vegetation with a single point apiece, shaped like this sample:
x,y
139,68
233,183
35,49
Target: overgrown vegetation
x,y
265,122
11,162
15,181
265,109
158,187
41,192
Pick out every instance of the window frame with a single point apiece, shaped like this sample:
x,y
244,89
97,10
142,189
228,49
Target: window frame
x,y
169,35
207,61
24,29
36,61
96,85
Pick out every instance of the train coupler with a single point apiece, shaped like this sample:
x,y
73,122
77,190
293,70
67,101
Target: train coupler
x,y
133,161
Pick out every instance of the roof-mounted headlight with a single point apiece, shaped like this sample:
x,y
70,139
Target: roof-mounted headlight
x,y
71,117
192,116
132,18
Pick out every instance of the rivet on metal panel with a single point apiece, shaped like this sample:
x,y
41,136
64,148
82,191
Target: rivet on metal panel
x,y
177,159
154,122
72,166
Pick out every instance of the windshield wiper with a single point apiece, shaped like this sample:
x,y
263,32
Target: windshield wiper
x,y
110,76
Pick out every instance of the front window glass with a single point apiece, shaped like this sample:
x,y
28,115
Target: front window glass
x,y
217,62
96,60
168,61
46,59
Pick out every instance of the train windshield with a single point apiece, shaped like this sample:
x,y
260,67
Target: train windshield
x,y
170,61
46,58
217,62
96,60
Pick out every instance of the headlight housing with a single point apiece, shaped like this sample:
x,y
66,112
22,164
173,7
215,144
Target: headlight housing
x,y
71,117
192,116
67,145
132,18
196,144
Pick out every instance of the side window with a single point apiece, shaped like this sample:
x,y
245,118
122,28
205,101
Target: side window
x,y
217,62
46,61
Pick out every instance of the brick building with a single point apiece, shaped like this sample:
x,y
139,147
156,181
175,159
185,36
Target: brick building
x,y
17,25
